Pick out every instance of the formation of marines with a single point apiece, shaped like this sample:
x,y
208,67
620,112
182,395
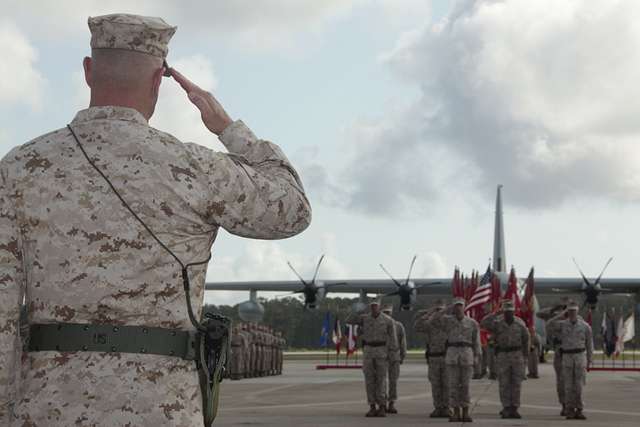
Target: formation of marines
x,y
256,351
453,349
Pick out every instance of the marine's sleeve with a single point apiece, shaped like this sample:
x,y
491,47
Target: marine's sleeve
x,y
475,338
402,340
490,322
554,326
11,296
254,190
589,343
420,324
526,343
392,335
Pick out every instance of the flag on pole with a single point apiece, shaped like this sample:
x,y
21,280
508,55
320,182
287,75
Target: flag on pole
x,y
620,335
481,295
629,328
456,284
608,330
526,309
496,292
324,333
336,337
352,339
512,290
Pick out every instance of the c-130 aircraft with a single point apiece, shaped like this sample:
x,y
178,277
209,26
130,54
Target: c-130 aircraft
x,y
314,291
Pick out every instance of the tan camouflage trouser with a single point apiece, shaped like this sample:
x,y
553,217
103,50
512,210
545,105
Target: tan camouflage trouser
x,y
375,379
394,374
534,358
575,375
510,375
439,382
236,365
491,361
557,366
459,379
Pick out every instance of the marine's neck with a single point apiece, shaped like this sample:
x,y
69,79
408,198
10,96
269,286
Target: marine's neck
x,y
107,99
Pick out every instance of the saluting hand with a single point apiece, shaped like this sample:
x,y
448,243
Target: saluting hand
x,y
214,116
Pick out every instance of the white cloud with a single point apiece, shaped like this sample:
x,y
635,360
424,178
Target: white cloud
x,y
540,96
21,83
431,264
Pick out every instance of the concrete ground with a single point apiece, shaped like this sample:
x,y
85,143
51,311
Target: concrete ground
x,y
303,396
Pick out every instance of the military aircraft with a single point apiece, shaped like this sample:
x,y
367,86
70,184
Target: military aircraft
x,y
314,291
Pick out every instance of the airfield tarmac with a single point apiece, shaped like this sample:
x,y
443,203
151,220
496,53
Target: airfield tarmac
x,y
304,396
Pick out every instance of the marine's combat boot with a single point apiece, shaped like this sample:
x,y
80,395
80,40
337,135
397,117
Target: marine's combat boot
x,y
571,413
391,408
372,411
382,411
465,415
455,417
435,413
579,415
445,412
504,413
564,412
515,413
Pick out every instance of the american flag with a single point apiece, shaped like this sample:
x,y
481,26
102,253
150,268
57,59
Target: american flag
x,y
482,294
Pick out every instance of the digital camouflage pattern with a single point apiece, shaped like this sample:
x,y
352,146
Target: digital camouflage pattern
x,y
375,359
69,247
395,360
436,340
459,360
510,364
573,335
131,32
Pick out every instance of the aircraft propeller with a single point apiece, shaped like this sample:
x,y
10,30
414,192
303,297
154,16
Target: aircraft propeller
x,y
313,291
407,290
592,290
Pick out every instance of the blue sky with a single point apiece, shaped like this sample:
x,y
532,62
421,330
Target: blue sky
x,y
401,116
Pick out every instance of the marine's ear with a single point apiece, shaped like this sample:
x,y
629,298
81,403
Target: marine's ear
x,y
87,65
157,79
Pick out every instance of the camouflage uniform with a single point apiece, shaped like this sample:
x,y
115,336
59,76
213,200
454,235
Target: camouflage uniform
x,y
70,247
512,350
281,345
236,367
577,354
247,350
491,357
395,360
378,338
436,340
534,354
463,348
547,314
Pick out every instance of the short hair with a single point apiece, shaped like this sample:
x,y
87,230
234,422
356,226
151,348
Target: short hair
x,y
121,69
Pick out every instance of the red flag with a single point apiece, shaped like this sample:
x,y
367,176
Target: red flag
x,y
337,335
512,290
352,339
589,318
526,310
496,292
456,284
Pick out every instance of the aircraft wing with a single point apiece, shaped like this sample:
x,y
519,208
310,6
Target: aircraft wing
x,y
379,286
550,286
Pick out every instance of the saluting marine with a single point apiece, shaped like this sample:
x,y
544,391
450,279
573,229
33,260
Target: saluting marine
x,y
436,339
378,332
463,351
577,355
396,358
512,351
556,342
106,228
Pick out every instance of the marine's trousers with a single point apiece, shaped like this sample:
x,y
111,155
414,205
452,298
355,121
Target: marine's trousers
x,y
375,378
575,375
510,375
534,359
557,366
459,379
491,360
394,374
439,382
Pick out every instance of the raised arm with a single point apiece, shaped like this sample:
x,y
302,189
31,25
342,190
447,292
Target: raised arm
x,y
254,190
490,322
11,296
554,325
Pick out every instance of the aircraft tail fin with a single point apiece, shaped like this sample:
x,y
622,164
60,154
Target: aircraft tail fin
x,y
499,258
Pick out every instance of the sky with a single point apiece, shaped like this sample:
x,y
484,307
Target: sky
x,y
401,116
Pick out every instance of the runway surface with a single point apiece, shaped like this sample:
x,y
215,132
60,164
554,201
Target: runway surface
x,y
303,396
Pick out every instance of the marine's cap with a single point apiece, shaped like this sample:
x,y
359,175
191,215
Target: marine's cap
x,y
131,32
374,302
387,309
573,306
458,300
507,305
